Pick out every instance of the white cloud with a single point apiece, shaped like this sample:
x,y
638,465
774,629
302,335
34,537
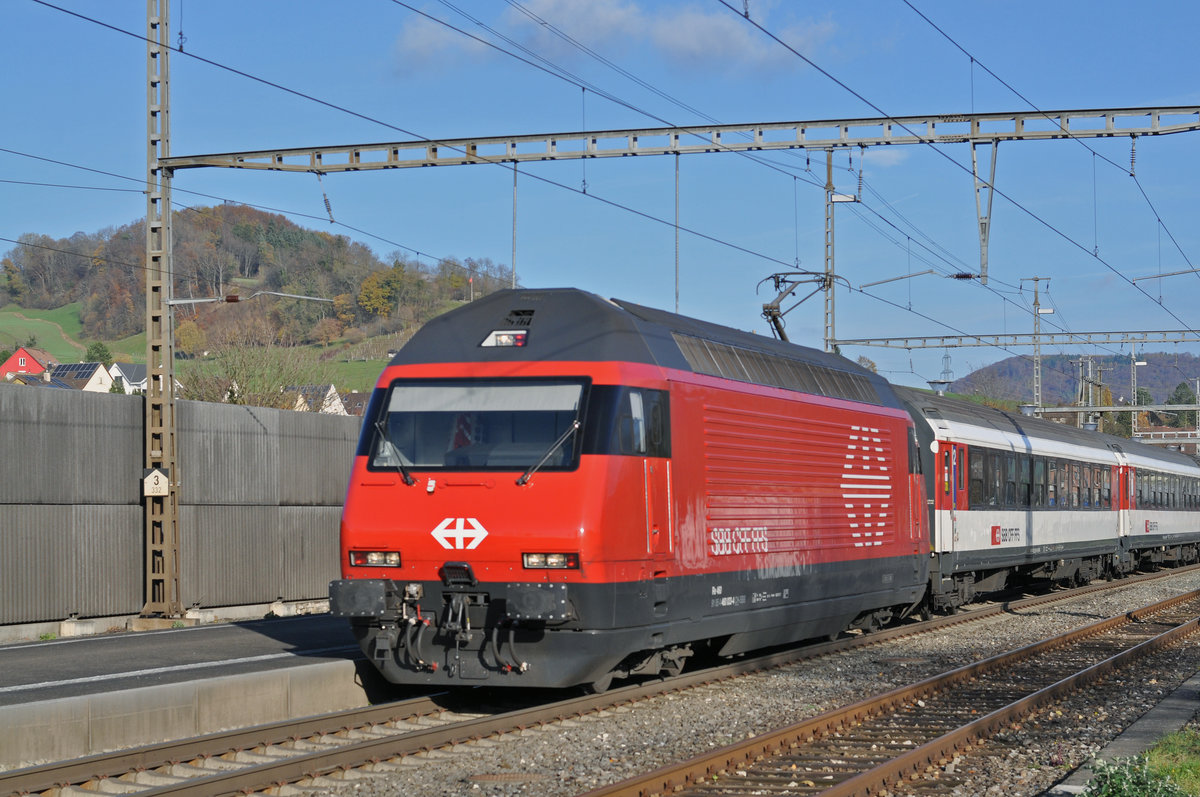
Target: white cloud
x,y
595,24
885,157
422,43
686,35
722,40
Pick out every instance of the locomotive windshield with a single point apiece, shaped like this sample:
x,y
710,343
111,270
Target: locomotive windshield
x,y
478,424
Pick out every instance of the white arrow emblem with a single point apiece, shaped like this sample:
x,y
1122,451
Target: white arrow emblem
x,y
455,528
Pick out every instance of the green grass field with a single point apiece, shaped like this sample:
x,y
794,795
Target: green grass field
x,y
360,375
57,331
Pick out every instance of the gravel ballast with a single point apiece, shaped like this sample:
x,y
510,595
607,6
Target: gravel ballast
x,y
574,756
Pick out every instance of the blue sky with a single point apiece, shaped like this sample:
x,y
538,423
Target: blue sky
x,y
75,92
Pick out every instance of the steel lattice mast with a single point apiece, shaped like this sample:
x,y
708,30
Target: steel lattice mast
x,y
161,500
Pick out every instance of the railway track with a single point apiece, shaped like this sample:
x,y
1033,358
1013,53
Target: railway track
x,y
892,739
311,750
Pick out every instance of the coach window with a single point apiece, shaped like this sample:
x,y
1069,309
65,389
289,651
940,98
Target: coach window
x,y
1086,494
1039,482
1076,482
1064,484
976,496
946,476
1142,479
1024,492
1052,482
1010,480
995,478
1106,490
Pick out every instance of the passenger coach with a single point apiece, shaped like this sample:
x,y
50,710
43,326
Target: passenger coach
x,y
1015,498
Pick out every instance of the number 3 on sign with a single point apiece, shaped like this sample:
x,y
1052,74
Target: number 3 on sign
x,y
155,483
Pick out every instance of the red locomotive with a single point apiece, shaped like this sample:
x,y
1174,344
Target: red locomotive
x,y
555,489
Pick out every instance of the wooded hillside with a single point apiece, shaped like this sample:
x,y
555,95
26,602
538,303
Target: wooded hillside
x,y
232,248
1012,378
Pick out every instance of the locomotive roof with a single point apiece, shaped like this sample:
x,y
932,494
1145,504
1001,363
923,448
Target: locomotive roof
x,y
955,410
567,324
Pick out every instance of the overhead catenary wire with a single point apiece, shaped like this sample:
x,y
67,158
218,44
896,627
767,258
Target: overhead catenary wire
x,y
542,23
368,118
1131,171
931,144
363,116
548,69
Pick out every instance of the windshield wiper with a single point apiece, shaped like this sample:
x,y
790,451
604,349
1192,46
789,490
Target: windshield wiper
x,y
409,480
557,444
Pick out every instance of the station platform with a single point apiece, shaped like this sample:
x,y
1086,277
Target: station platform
x,y
70,697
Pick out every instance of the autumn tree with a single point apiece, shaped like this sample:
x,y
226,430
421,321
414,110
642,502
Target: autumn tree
x,y
190,338
327,330
375,294
14,283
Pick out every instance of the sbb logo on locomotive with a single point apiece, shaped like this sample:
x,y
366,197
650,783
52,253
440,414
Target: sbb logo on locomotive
x,y
460,533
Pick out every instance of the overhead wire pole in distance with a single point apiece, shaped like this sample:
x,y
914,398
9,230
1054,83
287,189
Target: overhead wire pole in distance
x,y
1038,312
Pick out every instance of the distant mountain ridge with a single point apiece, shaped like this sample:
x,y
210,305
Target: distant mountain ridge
x,y
1012,378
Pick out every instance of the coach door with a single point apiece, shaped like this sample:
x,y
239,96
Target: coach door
x,y
1125,498
950,491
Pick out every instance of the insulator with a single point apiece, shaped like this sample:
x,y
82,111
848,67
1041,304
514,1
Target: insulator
x,y
1132,156
328,206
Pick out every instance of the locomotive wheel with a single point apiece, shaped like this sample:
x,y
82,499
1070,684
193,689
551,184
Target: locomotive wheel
x,y
601,685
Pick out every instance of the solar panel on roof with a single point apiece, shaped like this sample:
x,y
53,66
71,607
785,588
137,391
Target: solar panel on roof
x,y
75,370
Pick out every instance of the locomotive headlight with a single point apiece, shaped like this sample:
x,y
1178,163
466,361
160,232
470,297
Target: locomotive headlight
x,y
375,558
550,561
